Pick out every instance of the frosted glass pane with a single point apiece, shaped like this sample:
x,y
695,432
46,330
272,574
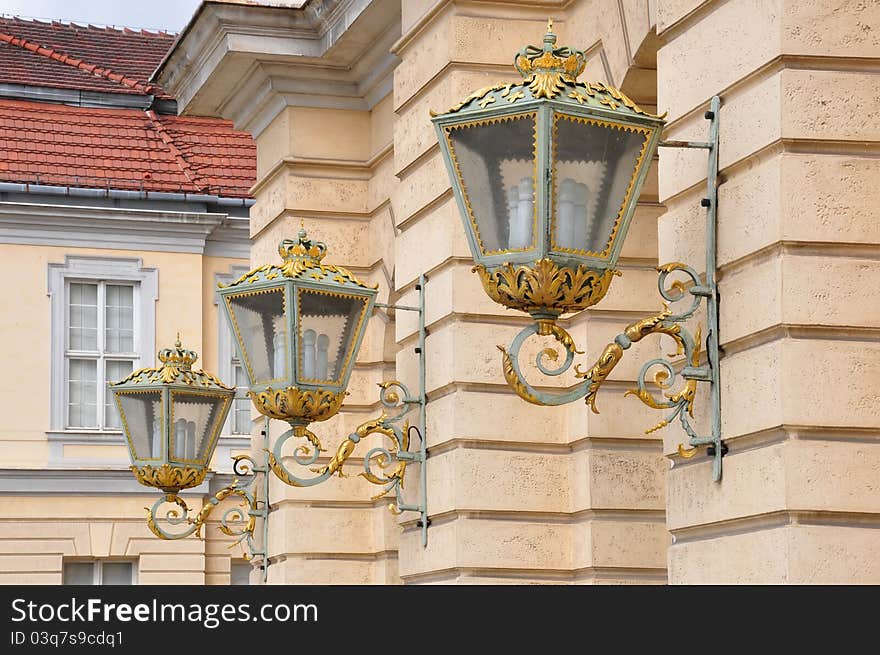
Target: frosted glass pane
x,y
595,166
195,416
82,573
328,329
262,329
116,573
496,164
143,418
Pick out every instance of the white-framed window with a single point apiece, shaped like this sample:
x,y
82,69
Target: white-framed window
x,y
240,416
100,347
229,365
103,327
99,572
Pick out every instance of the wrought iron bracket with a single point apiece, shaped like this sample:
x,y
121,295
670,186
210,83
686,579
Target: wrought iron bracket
x,y
250,507
397,402
678,403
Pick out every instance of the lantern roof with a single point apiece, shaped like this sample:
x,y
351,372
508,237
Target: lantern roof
x,y
551,73
301,259
176,368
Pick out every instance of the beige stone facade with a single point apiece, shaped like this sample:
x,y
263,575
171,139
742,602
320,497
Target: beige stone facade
x,y
337,95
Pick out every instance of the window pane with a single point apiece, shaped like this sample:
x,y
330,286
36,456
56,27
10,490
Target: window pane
x,y
114,372
116,573
78,573
241,409
240,573
82,317
119,319
82,400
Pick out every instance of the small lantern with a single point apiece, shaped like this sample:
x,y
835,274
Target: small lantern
x,y
298,326
547,173
172,417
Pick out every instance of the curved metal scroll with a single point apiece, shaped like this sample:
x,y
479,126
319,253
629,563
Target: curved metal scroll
x,y
396,401
246,512
678,402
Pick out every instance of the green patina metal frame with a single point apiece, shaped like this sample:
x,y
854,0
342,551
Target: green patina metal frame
x,y
677,405
396,398
544,111
176,378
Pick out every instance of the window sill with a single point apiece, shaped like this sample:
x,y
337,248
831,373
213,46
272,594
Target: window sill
x,y
86,437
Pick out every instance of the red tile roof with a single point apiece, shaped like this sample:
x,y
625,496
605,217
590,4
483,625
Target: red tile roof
x,y
91,58
59,145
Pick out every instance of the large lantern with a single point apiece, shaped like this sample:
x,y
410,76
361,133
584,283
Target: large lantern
x,y
172,416
298,326
546,174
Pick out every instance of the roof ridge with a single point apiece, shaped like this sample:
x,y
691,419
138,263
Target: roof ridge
x,y
182,161
122,29
63,58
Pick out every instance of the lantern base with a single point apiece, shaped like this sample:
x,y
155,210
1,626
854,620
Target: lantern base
x,y
298,406
168,478
545,287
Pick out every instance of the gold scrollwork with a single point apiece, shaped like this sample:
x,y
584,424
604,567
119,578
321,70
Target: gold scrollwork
x,y
549,328
635,331
168,478
513,379
292,403
599,371
545,285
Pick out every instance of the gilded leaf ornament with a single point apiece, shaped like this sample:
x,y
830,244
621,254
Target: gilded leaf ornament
x,y
294,404
545,286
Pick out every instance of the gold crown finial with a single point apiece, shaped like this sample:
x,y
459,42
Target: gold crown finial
x,y
302,248
549,68
178,357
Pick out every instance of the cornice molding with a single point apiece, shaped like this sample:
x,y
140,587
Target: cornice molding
x,y
246,63
91,482
212,234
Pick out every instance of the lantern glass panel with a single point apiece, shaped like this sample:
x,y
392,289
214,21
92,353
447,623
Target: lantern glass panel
x,y
495,162
194,424
142,420
261,329
329,325
595,165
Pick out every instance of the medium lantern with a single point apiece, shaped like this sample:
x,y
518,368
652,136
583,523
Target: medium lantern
x,y
298,326
171,417
547,173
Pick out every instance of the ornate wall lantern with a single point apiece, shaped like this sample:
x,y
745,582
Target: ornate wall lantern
x,y
171,418
298,326
547,174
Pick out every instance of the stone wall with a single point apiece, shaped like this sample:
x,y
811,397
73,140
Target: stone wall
x,y
798,271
